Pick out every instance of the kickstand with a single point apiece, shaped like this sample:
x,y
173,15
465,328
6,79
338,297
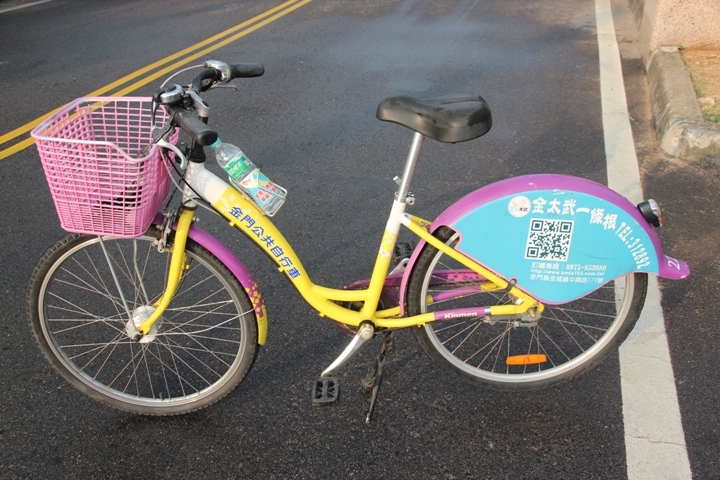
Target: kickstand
x,y
373,379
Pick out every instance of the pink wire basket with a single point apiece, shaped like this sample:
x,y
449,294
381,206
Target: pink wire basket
x,y
103,178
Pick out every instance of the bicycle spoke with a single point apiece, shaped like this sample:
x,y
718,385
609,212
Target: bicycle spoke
x,y
198,345
522,351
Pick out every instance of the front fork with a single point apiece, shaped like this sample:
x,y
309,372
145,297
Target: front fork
x,y
178,264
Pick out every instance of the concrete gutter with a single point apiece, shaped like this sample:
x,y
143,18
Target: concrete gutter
x,y
683,130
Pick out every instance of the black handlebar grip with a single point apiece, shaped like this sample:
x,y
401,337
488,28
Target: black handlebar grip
x,y
191,125
246,70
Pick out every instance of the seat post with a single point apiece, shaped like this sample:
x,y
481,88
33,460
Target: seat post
x,y
410,163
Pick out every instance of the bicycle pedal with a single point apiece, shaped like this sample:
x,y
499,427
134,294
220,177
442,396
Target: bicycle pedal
x,y
325,391
402,251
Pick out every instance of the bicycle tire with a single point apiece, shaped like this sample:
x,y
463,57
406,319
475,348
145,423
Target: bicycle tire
x,y
202,347
573,337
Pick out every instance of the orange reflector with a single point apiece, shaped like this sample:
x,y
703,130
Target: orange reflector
x,y
526,359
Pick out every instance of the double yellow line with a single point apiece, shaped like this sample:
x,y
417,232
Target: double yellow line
x,y
160,68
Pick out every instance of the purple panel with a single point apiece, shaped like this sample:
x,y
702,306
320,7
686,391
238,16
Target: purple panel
x,y
461,313
236,267
515,185
673,268
223,254
455,293
669,267
390,281
217,248
406,275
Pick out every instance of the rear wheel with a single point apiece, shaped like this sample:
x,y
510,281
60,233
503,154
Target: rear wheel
x,y
198,351
517,353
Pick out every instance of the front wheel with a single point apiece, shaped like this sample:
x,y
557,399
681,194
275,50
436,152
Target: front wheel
x,y
566,341
86,290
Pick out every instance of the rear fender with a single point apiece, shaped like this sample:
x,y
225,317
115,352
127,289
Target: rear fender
x,y
559,237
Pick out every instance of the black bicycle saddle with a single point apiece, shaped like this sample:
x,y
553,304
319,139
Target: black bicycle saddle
x,y
449,119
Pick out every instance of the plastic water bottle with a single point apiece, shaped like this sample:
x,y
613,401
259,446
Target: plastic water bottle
x,y
248,178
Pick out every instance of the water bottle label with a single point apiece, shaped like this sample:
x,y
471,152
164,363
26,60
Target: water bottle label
x,y
266,194
237,166
259,186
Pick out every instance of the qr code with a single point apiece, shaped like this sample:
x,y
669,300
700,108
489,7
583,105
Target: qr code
x,y
549,240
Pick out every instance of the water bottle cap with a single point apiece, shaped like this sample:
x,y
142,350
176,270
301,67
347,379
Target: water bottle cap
x,y
216,144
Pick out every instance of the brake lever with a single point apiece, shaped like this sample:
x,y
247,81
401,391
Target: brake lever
x,y
165,144
228,85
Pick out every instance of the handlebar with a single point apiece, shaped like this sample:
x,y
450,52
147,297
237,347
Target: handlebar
x,y
176,101
215,71
247,70
193,126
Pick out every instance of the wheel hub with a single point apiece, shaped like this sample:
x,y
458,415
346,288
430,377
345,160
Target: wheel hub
x,y
140,314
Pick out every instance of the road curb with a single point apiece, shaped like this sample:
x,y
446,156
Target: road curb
x,y
683,130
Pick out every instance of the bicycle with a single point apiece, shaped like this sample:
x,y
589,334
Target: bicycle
x,y
142,310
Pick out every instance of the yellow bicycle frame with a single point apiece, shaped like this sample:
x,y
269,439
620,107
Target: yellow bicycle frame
x,y
244,215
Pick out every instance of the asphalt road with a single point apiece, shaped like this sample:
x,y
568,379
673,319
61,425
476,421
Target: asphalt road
x,y
310,122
